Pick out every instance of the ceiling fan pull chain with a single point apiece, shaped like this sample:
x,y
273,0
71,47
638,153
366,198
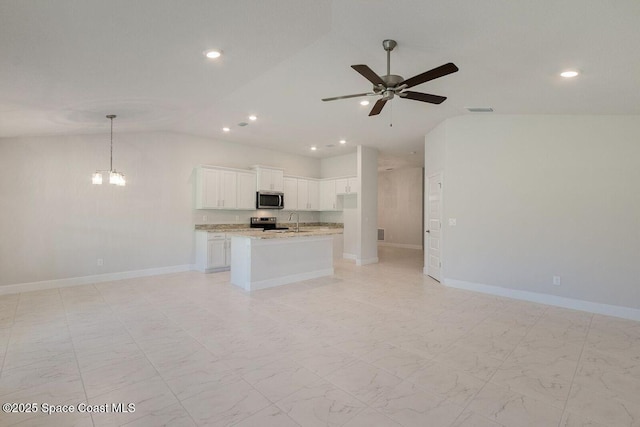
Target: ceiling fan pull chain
x,y
391,119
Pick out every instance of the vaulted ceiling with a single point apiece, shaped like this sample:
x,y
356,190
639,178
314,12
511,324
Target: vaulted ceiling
x,y
65,64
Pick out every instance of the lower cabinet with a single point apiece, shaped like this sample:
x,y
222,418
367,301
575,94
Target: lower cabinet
x,y
213,251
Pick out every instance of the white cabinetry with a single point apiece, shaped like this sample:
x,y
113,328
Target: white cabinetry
x,y
216,189
290,194
308,194
328,198
246,190
270,179
347,185
213,251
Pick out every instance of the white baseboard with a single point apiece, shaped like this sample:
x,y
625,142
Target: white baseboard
x,y
85,280
400,245
348,256
366,261
575,304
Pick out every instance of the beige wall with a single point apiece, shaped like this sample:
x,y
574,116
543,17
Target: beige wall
x,y
540,196
55,224
400,206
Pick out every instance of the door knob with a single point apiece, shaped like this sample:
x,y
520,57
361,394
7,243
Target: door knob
x,y
428,231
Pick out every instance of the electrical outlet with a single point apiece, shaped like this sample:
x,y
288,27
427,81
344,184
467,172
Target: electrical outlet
x,y
204,218
100,262
452,222
556,280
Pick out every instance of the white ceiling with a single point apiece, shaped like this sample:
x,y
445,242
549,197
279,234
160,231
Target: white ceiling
x,y
65,64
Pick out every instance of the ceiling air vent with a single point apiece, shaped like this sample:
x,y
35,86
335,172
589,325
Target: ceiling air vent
x,y
480,109
243,124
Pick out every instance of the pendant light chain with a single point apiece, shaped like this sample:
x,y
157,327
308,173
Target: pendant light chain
x,y
111,155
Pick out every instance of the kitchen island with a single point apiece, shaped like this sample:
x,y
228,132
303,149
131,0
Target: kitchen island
x,y
261,260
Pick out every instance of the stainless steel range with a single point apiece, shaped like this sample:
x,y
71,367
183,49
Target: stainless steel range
x,y
266,223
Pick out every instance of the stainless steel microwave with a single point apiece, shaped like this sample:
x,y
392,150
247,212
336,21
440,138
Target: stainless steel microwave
x,y
269,200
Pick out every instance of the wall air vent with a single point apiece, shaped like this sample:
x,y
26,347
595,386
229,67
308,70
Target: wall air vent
x,y
380,233
480,109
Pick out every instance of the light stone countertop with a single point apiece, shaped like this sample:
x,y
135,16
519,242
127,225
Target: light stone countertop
x,y
286,234
306,230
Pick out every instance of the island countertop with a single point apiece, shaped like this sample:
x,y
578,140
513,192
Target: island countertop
x,y
286,234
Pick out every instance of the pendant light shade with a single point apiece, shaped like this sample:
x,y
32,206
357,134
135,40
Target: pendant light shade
x,y
115,177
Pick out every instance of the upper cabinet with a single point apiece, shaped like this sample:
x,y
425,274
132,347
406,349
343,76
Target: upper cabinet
x,y
215,189
269,179
290,193
220,188
247,190
347,185
226,188
328,199
308,194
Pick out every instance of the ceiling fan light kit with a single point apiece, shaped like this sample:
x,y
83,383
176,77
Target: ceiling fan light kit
x,y
390,85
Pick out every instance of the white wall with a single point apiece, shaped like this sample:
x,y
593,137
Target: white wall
x,y
339,166
367,207
538,196
400,207
55,224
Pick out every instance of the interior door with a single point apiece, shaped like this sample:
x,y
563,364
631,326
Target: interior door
x,y
433,233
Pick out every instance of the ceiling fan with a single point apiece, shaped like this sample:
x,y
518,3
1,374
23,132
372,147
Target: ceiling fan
x,y
391,85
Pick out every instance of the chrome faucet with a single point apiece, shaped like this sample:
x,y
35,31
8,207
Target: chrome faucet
x,y
297,220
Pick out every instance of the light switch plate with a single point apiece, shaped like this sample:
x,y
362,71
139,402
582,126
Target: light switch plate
x,y
452,222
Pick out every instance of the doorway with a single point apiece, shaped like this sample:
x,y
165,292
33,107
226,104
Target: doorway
x,y
433,227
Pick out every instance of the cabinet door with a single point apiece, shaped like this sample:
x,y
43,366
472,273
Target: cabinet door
x,y
264,179
210,188
270,179
290,194
228,189
353,185
216,253
277,180
328,195
314,195
303,194
246,194
342,185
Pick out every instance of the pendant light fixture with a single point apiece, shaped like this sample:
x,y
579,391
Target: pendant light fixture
x,y
115,177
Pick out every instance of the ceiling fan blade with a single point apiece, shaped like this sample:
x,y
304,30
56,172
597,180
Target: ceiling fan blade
x,y
437,72
424,97
369,74
377,107
349,96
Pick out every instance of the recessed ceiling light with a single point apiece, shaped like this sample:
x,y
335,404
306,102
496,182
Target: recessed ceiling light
x,y
365,102
314,148
212,54
253,118
569,74
343,141
225,129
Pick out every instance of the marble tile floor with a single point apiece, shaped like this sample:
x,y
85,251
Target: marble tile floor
x,y
379,345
